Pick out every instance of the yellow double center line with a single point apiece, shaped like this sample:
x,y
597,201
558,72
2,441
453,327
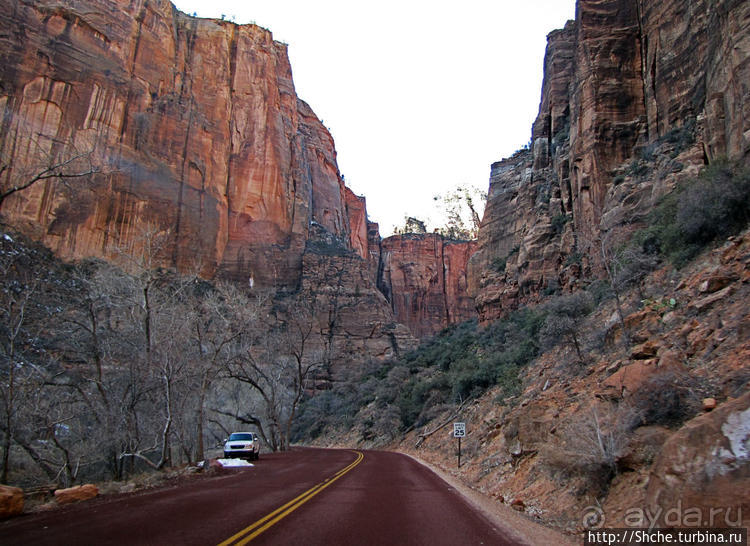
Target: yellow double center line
x,y
280,513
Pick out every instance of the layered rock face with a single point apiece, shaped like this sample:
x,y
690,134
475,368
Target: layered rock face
x,y
195,137
695,65
193,124
626,82
424,278
353,317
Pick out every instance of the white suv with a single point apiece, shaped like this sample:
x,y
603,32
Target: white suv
x,y
242,445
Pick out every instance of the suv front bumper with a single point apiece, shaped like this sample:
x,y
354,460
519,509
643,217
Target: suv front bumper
x,y
239,454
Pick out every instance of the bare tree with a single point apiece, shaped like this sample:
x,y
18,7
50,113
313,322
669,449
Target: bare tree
x,y
296,335
29,157
625,265
565,319
219,319
129,332
162,321
99,366
591,443
276,361
97,332
260,367
29,304
13,313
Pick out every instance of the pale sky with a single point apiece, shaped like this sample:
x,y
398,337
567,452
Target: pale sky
x,y
420,96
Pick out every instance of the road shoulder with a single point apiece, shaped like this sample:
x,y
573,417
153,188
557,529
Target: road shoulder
x,y
508,520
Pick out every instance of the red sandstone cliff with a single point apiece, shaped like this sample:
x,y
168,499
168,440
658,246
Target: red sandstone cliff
x,y
194,123
424,278
626,82
196,132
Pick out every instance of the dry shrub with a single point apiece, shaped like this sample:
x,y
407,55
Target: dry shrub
x,y
669,399
589,446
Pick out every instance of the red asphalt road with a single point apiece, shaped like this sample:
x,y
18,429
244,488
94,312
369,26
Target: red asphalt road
x,y
384,499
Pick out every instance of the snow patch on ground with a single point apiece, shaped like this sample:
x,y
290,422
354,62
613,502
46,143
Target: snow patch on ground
x,y
233,463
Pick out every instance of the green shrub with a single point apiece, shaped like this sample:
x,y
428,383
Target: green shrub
x,y
563,323
648,152
575,258
681,137
459,363
637,169
713,206
600,291
498,264
558,223
552,288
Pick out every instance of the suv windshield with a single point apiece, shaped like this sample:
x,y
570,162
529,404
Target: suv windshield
x,y
241,436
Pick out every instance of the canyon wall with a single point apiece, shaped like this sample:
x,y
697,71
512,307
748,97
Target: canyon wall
x,y
424,278
193,125
190,133
626,82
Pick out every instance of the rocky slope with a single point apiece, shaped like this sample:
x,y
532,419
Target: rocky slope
x,y
674,409
625,83
196,130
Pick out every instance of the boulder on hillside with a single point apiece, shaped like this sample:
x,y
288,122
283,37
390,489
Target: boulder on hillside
x,y
645,351
703,304
715,283
703,471
632,377
11,501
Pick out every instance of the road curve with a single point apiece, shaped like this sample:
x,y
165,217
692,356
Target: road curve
x,y
306,496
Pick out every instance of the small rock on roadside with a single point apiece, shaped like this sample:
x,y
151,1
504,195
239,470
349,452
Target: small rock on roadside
x,y
709,404
11,501
77,493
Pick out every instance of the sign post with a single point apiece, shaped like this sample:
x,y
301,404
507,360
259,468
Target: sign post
x,y
459,431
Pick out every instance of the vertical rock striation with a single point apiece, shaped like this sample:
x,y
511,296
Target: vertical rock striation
x,y
424,278
194,124
627,81
606,102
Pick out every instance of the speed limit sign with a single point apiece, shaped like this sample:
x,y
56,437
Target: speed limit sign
x,y
459,430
